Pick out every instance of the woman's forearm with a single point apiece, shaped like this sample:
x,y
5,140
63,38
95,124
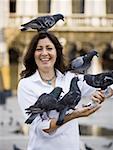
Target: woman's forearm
x,y
81,112
53,125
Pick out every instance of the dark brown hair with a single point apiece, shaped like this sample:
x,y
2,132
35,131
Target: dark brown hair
x,y
29,61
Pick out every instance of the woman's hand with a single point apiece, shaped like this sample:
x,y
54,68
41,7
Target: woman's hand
x,y
98,96
79,112
110,93
85,111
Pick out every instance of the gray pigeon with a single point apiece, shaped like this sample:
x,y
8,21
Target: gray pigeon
x,y
15,147
107,146
101,80
42,23
88,148
45,103
69,100
81,64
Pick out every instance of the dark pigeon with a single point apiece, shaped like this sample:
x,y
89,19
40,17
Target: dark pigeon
x,y
69,100
15,147
42,23
45,103
88,147
81,64
109,145
101,80
11,121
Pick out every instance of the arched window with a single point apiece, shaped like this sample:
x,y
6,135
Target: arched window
x,y
12,6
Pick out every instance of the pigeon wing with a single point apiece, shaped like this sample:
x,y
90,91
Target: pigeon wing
x,y
49,22
78,62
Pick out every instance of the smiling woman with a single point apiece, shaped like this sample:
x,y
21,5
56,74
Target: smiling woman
x,y
45,70
45,57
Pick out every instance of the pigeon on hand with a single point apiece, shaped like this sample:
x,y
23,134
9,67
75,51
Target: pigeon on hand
x,y
45,103
69,100
82,63
42,23
101,80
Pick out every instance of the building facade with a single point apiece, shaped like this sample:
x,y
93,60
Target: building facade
x,y
85,20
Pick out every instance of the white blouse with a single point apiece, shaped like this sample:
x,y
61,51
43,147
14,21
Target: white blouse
x,y
65,137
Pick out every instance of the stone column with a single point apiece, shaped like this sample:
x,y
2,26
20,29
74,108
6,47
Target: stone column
x,y
26,9
95,9
61,6
4,58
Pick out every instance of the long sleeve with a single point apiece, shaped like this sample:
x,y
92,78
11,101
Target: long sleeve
x,y
111,86
26,98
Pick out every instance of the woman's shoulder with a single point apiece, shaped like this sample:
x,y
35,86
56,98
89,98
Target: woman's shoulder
x,y
26,81
69,73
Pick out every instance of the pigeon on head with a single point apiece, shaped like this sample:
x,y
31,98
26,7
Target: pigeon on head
x,y
42,23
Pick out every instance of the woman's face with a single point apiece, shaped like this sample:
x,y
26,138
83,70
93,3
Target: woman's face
x,y
45,54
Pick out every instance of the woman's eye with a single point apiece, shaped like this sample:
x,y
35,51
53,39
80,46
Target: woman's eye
x,y
49,48
38,49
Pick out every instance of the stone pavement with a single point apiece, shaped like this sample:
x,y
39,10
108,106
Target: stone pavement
x,y
12,126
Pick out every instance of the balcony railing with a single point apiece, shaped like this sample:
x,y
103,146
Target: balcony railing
x,y
71,22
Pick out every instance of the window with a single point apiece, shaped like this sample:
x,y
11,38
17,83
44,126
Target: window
x,y
44,6
12,6
109,6
77,6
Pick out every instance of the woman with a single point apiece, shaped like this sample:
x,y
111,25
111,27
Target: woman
x,y
44,70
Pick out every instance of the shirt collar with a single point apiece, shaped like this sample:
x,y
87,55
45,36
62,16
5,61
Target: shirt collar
x,y
36,75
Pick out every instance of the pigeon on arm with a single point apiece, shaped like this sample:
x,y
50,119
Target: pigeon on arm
x,y
69,100
81,64
42,23
101,80
45,103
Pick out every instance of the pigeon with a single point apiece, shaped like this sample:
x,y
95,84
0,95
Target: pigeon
x,y
68,101
42,23
101,80
15,147
82,63
45,103
2,123
88,148
108,145
11,121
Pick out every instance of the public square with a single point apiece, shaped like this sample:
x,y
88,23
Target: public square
x,y
14,131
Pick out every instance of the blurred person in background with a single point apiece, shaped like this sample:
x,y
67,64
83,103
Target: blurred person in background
x,y
107,57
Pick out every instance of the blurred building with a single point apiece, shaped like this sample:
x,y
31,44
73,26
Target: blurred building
x,y
85,21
